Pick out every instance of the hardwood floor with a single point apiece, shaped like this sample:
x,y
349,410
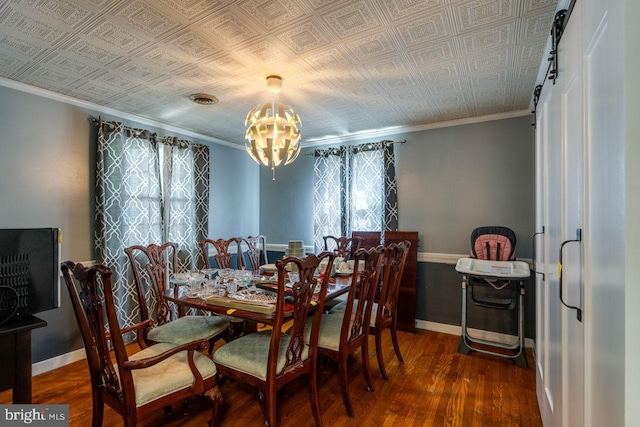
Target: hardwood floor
x,y
435,386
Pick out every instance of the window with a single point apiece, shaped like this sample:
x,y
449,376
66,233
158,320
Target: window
x,y
354,190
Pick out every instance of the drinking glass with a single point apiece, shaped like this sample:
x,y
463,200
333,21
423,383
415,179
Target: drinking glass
x,y
209,272
232,287
225,274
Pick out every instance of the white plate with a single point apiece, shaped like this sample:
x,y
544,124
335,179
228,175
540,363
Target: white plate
x,y
346,273
269,268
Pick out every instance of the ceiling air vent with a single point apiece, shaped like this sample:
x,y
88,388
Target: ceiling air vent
x,y
203,99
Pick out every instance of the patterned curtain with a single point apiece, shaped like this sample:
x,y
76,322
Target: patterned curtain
x,y
328,191
390,189
367,199
128,205
148,190
186,185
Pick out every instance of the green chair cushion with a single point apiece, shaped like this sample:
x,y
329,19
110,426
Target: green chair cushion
x,y
168,376
188,328
330,331
249,354
338,308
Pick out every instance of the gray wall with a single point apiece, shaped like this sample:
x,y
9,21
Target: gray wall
x,y
450,181
454,179
47,168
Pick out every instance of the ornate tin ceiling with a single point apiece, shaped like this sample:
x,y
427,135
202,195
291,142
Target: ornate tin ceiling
x,y
348,66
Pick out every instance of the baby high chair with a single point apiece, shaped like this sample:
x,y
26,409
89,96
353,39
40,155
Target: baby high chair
x,y
493,279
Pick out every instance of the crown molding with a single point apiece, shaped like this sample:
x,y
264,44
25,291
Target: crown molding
x,y
22,87
370,134
395,130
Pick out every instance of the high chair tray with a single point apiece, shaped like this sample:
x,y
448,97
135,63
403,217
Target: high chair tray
x,y
485,268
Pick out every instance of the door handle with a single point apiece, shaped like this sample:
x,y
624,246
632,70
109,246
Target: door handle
x,y
533,239
577,239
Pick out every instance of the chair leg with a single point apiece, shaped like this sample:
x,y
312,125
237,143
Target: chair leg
x,y
98,409
344,383
263,404
130,419
272,416
367,366
394,339
379,354
215,396
315,401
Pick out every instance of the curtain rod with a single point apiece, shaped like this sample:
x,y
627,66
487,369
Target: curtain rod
x,y
384,141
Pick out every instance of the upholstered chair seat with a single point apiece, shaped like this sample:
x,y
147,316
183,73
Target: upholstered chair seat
x,y
340,307
174,371
330,329
250,355
189,328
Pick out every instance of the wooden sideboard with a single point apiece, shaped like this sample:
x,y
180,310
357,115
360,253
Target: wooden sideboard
x,y
409,283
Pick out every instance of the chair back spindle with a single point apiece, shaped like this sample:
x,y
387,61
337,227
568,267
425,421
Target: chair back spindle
x,y
223,255
256,251
157,262
342,246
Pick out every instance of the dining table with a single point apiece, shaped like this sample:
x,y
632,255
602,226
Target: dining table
x,y
250,312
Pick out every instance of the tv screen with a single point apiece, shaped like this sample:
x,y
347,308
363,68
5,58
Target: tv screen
x,y
29,264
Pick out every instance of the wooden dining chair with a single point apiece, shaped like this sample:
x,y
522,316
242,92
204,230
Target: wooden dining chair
x,y
256,251
384,314
269,360
157,262
141,383
344,334
223,255
342,246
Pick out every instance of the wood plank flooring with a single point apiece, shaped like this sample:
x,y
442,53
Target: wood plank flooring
x,y
435,386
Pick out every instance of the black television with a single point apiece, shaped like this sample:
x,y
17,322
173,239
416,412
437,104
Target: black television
x,y
29,271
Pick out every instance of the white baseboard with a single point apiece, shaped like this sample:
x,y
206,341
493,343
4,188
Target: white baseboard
x,y
477,333
57,362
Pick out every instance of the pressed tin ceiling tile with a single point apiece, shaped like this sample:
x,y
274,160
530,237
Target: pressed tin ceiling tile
x,y
352,18
304,37
347,66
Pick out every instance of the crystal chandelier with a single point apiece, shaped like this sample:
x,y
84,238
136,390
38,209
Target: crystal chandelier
x,y
272,134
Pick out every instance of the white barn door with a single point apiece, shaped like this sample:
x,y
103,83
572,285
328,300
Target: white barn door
x,y
580,200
